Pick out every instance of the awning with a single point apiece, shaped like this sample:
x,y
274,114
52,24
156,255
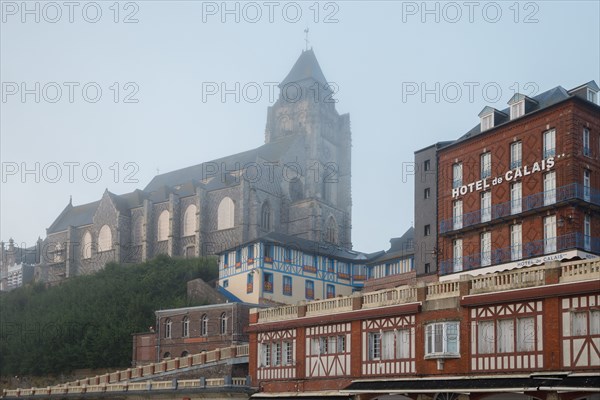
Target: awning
x,y
329,395
578,383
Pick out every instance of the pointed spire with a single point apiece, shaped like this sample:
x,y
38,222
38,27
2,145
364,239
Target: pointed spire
x,y
305,70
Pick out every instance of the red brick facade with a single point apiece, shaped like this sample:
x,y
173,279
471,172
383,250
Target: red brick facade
x,y
569,202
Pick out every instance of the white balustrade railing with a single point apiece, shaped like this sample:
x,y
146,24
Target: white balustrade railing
x,y
389,297
580,271
278,313
329,306
441,290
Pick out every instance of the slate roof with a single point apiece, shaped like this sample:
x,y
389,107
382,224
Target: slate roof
x,y
307,246
544,100
272,151
75,216
399,247
306,68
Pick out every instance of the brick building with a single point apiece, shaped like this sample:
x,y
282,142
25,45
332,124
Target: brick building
x,y
523,186
529,333
191,330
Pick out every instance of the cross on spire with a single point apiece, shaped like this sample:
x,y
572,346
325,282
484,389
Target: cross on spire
x,y
306,37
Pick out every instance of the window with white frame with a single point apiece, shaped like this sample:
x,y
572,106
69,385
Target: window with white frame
x,y
486,165
487,122
457,214
585,322
587,232
374,346
586,184
185,327
485,337
486,206
457,175
516,245
204,325
168,327
592,96
265,354
486,249
403,343
549,143
457,256
587,151
442,339
550,234
516,198
189,220
525,334
549,188
277,347
225,214
223,323
517,110
505,336
162,233
516,154
288,353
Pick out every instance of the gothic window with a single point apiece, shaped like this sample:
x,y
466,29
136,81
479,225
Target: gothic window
x,y
189,220
226,213
86,245
265,216
331,231
223,323
185,327
104,239
136,231
296,190
204,325
163,226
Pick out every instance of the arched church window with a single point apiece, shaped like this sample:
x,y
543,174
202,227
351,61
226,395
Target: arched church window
x,y
104,239
296,190
331,231
189,220
225,213
86,245
163,226
265,216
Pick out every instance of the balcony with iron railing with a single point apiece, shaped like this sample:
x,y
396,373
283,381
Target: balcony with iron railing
x,y
522,251
537,201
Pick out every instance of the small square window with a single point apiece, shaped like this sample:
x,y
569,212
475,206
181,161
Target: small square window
x,y
427,165
427,268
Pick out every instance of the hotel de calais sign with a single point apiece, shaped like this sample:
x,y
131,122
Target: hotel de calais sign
x,y
508,176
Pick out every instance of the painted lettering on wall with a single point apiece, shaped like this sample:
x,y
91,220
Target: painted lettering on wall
x,y
508,176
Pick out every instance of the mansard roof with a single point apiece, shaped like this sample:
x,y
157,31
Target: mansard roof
x,y
74,216
220,167
306,68
544,100
399,247
307,246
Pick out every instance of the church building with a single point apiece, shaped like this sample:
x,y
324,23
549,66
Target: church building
x,y
297,183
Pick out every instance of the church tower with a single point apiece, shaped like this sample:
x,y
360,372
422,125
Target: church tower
x,y
320,200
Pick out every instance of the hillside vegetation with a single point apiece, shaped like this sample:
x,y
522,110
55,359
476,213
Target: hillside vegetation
x,y
87,321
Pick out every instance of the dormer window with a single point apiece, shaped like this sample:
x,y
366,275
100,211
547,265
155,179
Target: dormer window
x,y
592,96
487,122
517,110
520,105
